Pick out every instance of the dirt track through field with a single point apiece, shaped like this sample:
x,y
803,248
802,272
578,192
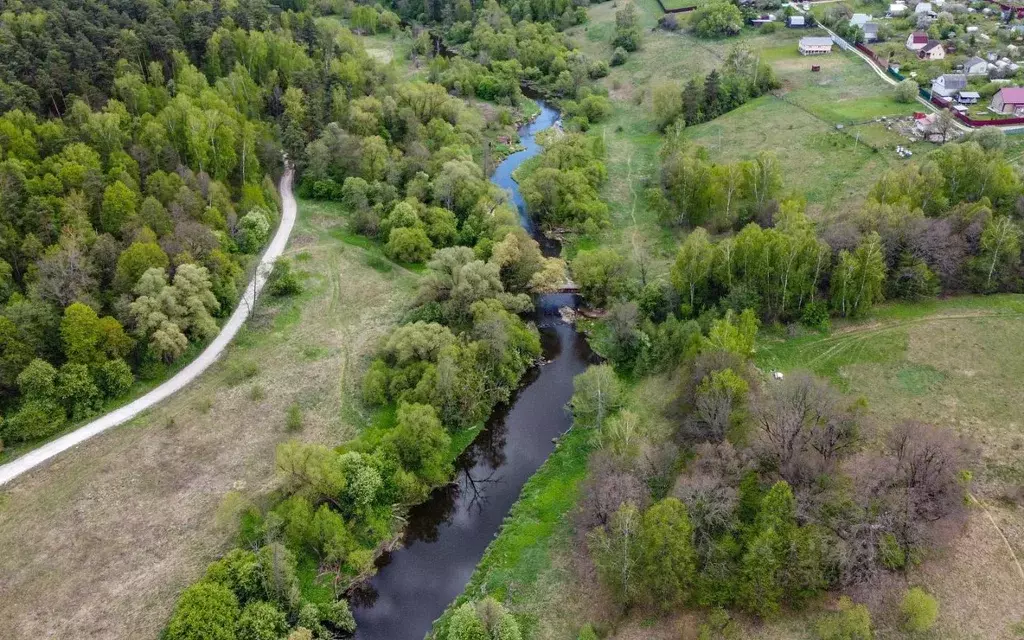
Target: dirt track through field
x,y
36,457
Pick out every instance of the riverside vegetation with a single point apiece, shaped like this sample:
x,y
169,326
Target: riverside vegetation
x,y
735,494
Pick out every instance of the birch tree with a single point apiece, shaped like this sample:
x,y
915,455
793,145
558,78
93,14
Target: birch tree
x,y
1000,250
597,394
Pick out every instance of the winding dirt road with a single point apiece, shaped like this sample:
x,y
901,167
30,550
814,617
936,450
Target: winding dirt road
x,y
209,355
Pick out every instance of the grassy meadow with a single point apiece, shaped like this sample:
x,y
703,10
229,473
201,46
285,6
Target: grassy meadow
x,y
832,168
109,534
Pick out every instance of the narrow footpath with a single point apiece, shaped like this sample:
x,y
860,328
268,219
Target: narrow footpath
x,y
201,363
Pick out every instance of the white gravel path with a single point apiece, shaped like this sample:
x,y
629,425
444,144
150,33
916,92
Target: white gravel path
x,y
209,355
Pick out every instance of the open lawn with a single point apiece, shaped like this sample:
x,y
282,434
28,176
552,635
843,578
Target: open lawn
x,y
832,168
389,47
99,543
827,167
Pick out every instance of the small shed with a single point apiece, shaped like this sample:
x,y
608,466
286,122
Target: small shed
x,y
968,97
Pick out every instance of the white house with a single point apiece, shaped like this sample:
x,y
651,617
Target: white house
x,y
948,84
797,22
917,40
897,9
976,66
968,97
924,7
932,51
815,45
859,19
870,30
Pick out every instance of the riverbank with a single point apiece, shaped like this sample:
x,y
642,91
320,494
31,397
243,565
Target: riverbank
x,y
446,536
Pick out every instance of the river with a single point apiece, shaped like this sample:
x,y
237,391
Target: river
x,y
447,535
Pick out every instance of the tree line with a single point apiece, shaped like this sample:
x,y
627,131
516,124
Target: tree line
x,y
946,224
743,78
124,233
785,490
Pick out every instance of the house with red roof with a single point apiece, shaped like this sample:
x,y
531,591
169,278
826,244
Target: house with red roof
x,y
917,40
1009,100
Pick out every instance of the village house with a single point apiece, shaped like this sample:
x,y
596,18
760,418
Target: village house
x,y
924,123
976,66
968,97
815,45
917,40
870,30
859,19
897,9
932,51
948,84
1008,100
797,22
924,8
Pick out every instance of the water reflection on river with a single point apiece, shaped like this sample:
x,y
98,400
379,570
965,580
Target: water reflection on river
x,y
447,534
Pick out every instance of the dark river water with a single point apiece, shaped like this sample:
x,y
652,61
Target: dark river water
x,y
447,534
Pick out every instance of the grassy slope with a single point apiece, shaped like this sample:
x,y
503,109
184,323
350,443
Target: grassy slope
x,y
828,167
99,543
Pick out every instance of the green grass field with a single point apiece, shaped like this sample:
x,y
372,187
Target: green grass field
x,y
833,169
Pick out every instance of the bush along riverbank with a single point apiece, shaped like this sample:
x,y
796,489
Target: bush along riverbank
x,y
461,352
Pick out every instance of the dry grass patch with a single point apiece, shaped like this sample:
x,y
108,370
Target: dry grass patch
x,y
99,543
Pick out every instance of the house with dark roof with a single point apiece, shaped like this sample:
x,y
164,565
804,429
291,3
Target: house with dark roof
x,y
860,19
976,66
917,40
948,84
1008,100
932,51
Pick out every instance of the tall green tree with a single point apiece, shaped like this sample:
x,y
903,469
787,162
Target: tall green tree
x,y
667,563
858,279
616,553
597,394
692,269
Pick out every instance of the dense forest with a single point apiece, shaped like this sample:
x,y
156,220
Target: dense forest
x,y
135,193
